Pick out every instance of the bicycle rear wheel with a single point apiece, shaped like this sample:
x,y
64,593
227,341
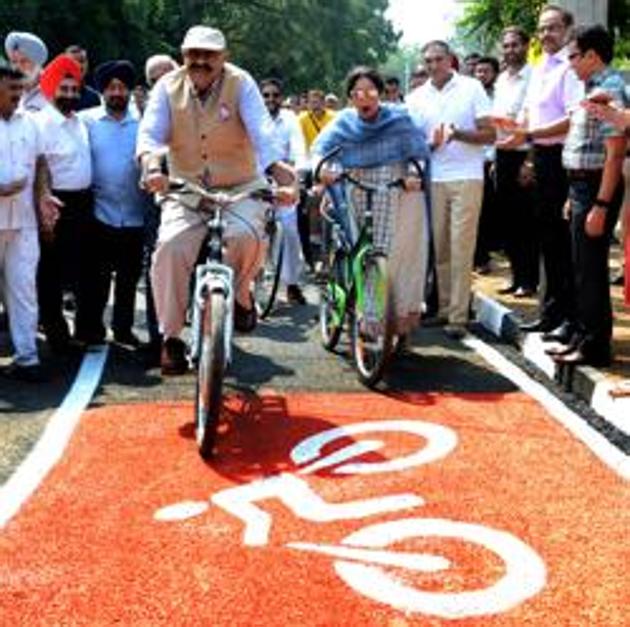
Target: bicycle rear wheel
x,y
210,373
372,333
268,278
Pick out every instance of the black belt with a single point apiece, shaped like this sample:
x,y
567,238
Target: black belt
x,y
581,174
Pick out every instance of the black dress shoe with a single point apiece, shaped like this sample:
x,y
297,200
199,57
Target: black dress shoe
x,y
562,333
507,289
580,357
538,326
28,374
560,349
127,338
524,292
295,295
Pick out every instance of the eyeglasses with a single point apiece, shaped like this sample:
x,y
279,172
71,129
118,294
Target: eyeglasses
x,y
552,28
268,95
372,92
436,59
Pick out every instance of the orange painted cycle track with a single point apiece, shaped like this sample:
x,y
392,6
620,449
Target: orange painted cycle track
x,y
90,548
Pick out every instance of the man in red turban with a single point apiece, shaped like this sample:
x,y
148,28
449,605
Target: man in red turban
x,y
55,73
65,245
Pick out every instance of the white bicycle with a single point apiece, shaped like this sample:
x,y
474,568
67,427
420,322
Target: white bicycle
x,y
367,559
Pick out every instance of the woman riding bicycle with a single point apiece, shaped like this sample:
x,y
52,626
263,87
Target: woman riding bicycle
x,y
377,140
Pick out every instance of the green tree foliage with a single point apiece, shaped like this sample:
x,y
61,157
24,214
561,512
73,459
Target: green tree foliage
x,y
483,21
307,42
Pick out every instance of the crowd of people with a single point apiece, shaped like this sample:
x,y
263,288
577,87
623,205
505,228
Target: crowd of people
x,y
523,158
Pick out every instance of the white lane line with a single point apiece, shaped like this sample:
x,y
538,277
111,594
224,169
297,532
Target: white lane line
x,y
595,441
50,447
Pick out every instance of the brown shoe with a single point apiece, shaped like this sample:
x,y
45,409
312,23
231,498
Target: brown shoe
x,y
245,320
173,358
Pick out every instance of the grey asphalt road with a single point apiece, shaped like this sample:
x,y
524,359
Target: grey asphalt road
x,y
284,353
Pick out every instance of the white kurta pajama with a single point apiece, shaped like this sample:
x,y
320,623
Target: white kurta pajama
x,y
289,137
20,146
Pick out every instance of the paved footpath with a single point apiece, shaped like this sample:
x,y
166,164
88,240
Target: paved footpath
x,y
462,492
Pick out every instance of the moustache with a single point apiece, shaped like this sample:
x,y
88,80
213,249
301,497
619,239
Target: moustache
x,y
201,66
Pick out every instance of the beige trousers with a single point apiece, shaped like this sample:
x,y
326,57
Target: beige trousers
x,y
456,208
407,260
179,240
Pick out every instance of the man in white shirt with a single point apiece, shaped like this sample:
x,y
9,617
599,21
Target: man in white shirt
x,y
210,116
458,105
28,54
514,186
289,137
64,248
20,150
552,94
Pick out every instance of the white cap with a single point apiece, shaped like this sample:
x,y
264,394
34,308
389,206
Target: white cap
x,y
204,38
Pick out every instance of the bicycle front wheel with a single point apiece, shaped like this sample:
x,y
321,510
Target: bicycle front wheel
x,y
268,278
332,300
210,373
372,320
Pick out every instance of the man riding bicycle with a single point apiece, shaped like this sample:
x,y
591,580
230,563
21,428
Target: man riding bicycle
x,y
211,120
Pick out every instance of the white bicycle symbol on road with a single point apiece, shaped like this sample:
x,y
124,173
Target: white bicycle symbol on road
x,y
361,559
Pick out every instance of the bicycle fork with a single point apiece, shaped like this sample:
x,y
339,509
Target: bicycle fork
x,y
212,277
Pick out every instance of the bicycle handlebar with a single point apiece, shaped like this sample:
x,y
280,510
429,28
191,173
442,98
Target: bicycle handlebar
x,y
222,199
367,187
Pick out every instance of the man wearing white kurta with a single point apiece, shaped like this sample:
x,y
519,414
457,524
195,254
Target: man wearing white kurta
x,y
19,246
288,134
458,105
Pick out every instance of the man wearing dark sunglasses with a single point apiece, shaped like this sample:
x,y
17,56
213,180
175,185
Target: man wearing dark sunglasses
x,y
289,137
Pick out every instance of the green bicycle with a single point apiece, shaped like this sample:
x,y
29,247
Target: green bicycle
x,y
357,287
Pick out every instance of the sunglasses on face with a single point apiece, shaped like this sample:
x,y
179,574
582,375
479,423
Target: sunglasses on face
x,y
269,95
372,92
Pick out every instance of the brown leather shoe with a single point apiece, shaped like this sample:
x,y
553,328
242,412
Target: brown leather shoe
x,y
173,358
245,320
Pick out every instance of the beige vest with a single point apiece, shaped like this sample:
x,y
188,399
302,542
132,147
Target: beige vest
x,y
209,140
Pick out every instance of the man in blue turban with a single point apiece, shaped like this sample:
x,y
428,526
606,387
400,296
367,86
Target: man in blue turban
x,y
28,53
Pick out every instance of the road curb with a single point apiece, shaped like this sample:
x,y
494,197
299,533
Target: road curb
x,y
585,382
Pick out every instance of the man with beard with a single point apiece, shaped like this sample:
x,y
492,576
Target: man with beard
x,y
513,171
64,247
28,53
486,72
119,204
20,156
553,93
211,118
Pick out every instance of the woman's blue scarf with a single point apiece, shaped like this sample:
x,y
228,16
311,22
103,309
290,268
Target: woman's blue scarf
x,y
391,137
